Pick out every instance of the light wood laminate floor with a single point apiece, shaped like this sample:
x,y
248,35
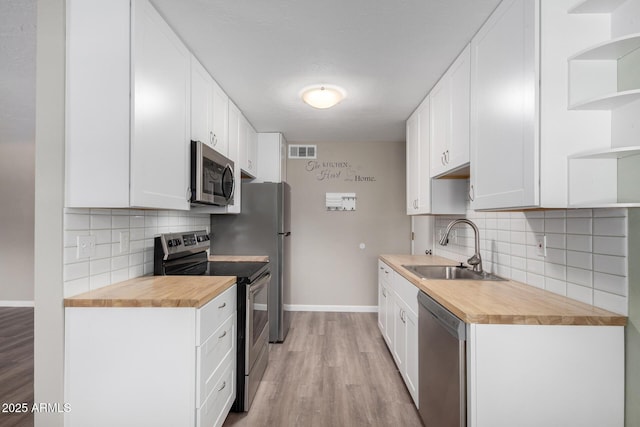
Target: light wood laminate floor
x,y
16,364
333,369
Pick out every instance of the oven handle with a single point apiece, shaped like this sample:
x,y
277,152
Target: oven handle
x,y
259,284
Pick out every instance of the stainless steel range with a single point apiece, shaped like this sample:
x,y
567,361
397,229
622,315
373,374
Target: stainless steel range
x,y
179,254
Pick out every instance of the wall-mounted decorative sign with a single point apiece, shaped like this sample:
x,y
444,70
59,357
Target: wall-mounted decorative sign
x,y
337,171
341,201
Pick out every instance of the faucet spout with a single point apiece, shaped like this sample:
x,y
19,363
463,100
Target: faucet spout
x,y
476,260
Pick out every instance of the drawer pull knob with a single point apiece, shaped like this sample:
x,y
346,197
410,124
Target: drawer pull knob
x,y
224,334
224,304
224,384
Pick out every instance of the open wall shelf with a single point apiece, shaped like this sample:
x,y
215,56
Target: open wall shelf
x,y
593,75
605,178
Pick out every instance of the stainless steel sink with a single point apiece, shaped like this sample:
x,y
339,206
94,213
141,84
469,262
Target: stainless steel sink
x,y
449,272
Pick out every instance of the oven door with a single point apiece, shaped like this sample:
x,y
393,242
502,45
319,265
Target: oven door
x,y
257,334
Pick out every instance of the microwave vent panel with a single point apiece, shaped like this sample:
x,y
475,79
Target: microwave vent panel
x,y
302,151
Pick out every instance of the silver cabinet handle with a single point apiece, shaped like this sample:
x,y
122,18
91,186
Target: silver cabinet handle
x,y
446,156
215,139
224,384
442,159
224,304
211,137
224,334
384,294
188,194
472,193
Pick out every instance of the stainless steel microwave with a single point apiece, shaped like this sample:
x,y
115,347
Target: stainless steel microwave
x,y
212,180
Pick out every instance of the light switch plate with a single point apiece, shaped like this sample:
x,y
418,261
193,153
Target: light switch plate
x,y
124,242
86,246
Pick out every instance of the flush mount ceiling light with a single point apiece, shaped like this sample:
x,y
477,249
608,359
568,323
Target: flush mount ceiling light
x,y
322,96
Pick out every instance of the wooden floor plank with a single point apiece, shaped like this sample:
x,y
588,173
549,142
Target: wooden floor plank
x,y
16,363
334,369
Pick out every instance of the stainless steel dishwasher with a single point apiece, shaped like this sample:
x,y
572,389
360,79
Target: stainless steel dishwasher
x,y
441,366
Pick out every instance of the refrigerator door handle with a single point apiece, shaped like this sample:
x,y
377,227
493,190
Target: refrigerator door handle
x,y
288,233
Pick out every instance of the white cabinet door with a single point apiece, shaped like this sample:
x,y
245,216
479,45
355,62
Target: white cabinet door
x,y
460,79
504,136
201,103
220,119
97,104
271,155
161,113
234,154
399,349
412,358
440,125
249,147
450,117
413,167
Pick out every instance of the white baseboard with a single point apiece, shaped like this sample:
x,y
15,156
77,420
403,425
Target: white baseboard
x,y
335,308
16,303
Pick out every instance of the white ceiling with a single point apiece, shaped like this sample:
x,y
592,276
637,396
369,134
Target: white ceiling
x,y
387,55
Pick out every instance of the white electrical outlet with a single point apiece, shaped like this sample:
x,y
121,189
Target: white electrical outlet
x,y
86,246
541,245
124,242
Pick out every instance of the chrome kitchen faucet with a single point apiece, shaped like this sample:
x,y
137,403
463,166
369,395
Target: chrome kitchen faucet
x,y
475,261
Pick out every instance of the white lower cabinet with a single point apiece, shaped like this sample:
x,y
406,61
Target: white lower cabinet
x,y
545,375
143,366
398,322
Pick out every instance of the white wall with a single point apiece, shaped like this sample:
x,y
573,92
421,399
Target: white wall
x,y
17,145
586,251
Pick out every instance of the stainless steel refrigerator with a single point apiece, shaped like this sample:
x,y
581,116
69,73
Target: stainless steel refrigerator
x,y
262,228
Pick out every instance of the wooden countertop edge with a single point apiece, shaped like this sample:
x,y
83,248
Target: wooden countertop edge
x,y
116,295
598,316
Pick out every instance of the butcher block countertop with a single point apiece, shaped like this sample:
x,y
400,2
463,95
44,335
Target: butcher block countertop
x,y
502,302
155,291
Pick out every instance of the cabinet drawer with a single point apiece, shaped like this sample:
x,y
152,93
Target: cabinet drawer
x,y
215,409
407,292
216,311
210,356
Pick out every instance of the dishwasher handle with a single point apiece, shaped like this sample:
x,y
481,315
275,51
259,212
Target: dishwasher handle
x,y
449,321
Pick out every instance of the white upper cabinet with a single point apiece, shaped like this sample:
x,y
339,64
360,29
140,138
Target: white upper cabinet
x,y
209,110
522,131
248,148
450,118
220,121
160,125
426,195
127,109
272,156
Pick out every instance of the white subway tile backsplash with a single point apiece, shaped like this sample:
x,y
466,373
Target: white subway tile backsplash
x,y
610,245
555,286
610,264
555,271
580,260
582,243
580,276
76,221
580,293
609,227
108,265
618,285
579,225
555,225
579,213
586,255
610,302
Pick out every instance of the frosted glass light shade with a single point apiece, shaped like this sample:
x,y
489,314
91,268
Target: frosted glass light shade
x,y
323,96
